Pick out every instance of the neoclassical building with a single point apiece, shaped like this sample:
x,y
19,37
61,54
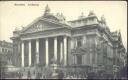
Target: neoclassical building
x,y
51,39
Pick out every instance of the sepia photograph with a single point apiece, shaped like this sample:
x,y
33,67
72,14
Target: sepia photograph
x,y
63,40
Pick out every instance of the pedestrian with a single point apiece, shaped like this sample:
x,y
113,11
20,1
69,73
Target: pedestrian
x,y
19,74
29,75
61,75
74,76
42,76
38,75
68,77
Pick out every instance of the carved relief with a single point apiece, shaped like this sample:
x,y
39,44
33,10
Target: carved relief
x,y
41,26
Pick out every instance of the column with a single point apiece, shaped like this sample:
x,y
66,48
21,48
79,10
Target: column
x,y
61,51
29,45
74,59
55,48
96,59
47,54
75,56
90,58
22,55
37,51
83,61
65,50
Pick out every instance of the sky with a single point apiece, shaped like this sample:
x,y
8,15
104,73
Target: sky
x,y
21,13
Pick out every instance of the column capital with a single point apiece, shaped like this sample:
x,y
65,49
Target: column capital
x,y
22,41
30,40
46,38
37,39
65,36
55,37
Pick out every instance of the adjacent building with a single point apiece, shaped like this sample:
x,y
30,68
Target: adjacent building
x,y
6,54
50,39
6,50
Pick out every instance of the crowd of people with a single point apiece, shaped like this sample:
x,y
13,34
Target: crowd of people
x,y
75,76
30,75
62,75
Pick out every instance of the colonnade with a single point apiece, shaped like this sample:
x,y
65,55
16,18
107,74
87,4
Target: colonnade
x,y
63,51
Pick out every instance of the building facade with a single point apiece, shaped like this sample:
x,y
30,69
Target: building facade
x,y
5,56
6,50
50,39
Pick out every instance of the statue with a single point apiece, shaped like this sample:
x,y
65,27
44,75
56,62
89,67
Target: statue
x,y
81,16
18,28
47,10
61,17
91,13
103,20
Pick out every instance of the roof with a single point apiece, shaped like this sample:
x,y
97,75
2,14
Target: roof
x,y
84,18
5,44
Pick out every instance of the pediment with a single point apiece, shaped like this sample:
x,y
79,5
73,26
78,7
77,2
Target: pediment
x,y
41,26
51,17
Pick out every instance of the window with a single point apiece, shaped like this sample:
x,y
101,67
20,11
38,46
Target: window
x,y
84,40
110,51
90,41
2,49
79,44
79,59
79,41
73,43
